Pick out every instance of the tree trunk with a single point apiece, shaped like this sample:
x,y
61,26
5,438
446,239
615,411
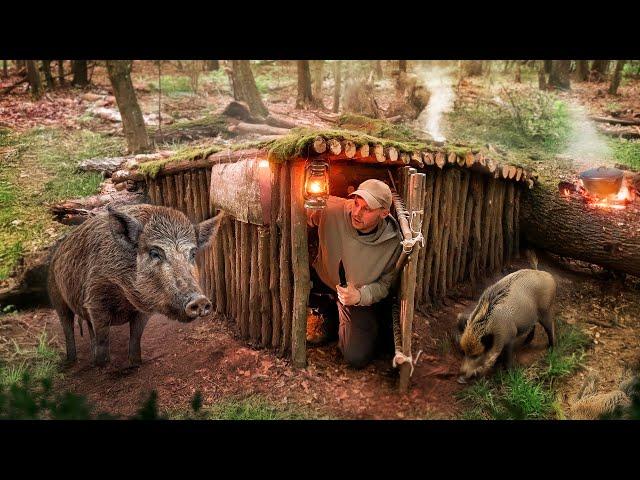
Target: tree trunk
x,y
582,70
378,69
46,68
5,70
542,79
517,76
338,85
34,79
559,76
132,121
245,89
472,68
211,65
547,66
80,78
317,68
20,64
305,95
617,76
402,65
61,72
567,226
600,66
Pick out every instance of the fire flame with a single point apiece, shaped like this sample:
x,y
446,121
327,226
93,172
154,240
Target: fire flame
x,y
316,187
616,202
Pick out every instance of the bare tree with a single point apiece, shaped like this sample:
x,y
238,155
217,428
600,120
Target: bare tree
x,y
80,78
617,76
132,120
317,67
34,79
61,72
600,66
337,86
559,76
542,78
582,70
245,89
378,69
5,71
46,69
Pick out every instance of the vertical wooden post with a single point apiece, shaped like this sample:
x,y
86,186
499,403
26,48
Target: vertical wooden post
x,y
254,289
300,265
415,194
263,275
286,294
274,245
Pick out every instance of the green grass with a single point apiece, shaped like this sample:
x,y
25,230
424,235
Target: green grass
x,y
528,393
38,167
249,408
40,362
532,124
626,152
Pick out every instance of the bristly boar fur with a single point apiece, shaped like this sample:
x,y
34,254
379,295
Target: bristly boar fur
x,y
590,405
121,267
506,312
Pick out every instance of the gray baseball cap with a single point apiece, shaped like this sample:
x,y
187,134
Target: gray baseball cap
x,y
376,193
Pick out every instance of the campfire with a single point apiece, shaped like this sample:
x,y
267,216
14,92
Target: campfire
x,y
606,188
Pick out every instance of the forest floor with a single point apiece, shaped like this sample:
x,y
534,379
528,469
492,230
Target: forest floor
x,y
205,356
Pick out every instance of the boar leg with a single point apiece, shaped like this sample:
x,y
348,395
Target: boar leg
x,y
101,321
136,327
67,318
546,320
507,356
530,336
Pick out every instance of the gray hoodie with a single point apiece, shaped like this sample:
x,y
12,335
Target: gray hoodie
x,y
368,260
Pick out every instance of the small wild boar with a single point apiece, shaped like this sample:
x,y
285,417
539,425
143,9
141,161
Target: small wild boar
x,y
590,405
123,266
506,312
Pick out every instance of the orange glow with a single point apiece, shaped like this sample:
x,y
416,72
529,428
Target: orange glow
x,y
617,201
623,194
263,163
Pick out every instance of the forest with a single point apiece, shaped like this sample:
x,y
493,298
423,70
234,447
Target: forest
x,y
519,158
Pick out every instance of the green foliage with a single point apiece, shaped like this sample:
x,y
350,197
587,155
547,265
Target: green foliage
x,y
250,408
377,127
528,393
172,85
186,153
528,120
40,166
626,152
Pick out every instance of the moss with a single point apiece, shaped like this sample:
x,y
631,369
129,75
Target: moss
x,y
152,168
216,124
376,127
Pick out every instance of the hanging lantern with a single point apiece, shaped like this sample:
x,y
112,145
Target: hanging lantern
x,y
316,184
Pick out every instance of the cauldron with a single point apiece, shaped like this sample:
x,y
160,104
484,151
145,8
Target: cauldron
x,y
602,181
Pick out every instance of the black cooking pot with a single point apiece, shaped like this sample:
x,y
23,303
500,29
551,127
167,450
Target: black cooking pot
x,y
602,181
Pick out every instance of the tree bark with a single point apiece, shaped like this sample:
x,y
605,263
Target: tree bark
x,y
46,69
245,89
305,95
547,66
79,68
5,70
34,79
402,65
542,78
317,68
568,226
132,121
617,76
338,85
61,72
211,65
582,70
600,66
378,69
559,76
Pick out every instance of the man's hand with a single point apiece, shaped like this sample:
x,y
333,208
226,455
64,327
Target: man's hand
x,y
349,295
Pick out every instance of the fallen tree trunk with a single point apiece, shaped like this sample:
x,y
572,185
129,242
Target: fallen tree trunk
x,y
569,226
258,128
75,212
615,121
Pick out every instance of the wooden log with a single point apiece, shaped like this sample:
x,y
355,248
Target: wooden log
x,y
349,148
363,151
469,159
428,158
505,171
454,232
461,160
512,172
319,145
391,153
507,222
220,251
238,289
207,172
378,153
427,203
196,197
433,241
415,200
451,158
516,222
181,203
492,223
405,158
254,289
230,255
274,261
460,224
245,277
491,165
286,294
463,268
259,129
416,157
300,267
480,159
616,121
486,223
334,146
440,264
265,296
188,197
477,193
204,194
441,159
518,174
499,244
168,189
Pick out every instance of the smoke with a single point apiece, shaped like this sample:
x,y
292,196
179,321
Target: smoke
x,y
586,147
439,81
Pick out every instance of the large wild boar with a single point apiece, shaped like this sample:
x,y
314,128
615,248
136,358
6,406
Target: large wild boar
x,y
123,266
506,313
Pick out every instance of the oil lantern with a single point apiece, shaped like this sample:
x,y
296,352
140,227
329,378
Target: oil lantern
x,y
316,184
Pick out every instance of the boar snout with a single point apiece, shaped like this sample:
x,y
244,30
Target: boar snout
x,y
199,306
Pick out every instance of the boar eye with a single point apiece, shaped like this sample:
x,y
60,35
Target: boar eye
x,y
192,255
155,254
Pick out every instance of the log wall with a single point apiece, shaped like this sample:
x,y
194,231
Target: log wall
x,y
470,226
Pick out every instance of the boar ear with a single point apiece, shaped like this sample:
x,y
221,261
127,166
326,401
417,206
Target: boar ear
x,y
487,341
205,230
125,228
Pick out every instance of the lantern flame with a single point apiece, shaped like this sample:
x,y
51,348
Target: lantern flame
x,y
263,163
315,187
